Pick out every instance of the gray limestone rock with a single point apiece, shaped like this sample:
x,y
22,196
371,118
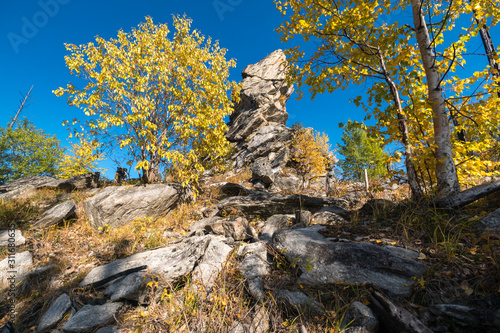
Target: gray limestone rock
x,y
233,226
210,264
172,262
131,287
13,236
393,318
265,205
272,224
300,301
35,181
14,268
289,185
236,227
359,319
303,216
253,266
56,215
330,215
116,206
261,171
23,191
89,317
260,117
491,222
55,313
322,261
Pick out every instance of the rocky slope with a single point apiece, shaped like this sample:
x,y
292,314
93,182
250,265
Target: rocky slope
x,y
248,259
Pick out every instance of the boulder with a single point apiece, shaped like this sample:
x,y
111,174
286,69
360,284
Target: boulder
x,y
13,236
322,261
303,216
359,319
56,215
55,313
491,222
233,226
265,205
80,182
116,206
287,185
172,262
393,318
261,171
272,224
253,267
35,181
210,264
330,215
23,191
89,317
236,227
300,301
263,96
234,190
275,149
132,287
14,268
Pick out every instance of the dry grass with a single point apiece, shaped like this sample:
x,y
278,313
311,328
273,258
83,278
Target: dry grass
x,y
462,265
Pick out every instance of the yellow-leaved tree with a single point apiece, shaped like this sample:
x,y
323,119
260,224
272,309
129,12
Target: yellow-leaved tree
x,y
410,56
83,158
162,99
310,152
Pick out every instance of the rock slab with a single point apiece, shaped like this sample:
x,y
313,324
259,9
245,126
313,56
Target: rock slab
x,y
55,313
322,261
116,206
13,236
56,215
172,262
89,317
14,268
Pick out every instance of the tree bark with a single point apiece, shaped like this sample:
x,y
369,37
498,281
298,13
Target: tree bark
x,y
446,172
416,191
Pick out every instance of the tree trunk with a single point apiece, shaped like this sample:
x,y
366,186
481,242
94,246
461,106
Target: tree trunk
x,y
446,172
416,191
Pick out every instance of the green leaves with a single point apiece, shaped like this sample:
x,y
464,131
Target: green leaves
x,y
361,152
27,151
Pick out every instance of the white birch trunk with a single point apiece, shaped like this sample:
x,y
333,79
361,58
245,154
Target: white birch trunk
x,y
446,173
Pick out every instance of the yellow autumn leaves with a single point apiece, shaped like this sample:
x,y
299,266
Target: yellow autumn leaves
x,y
354,43
162,99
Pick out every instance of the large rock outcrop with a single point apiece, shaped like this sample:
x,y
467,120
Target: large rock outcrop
x,y
116,206
258,123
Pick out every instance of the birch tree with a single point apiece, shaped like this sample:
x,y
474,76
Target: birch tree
x,y
411,84
161,99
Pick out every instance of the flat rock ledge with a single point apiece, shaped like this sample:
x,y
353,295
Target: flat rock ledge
x,y
89,317
322,261
172,262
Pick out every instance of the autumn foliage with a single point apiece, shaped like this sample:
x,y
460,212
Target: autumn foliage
x,y
83,158
449,131
310,152
161,98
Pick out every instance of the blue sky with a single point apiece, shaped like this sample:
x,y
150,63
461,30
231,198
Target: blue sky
x,y
33,33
